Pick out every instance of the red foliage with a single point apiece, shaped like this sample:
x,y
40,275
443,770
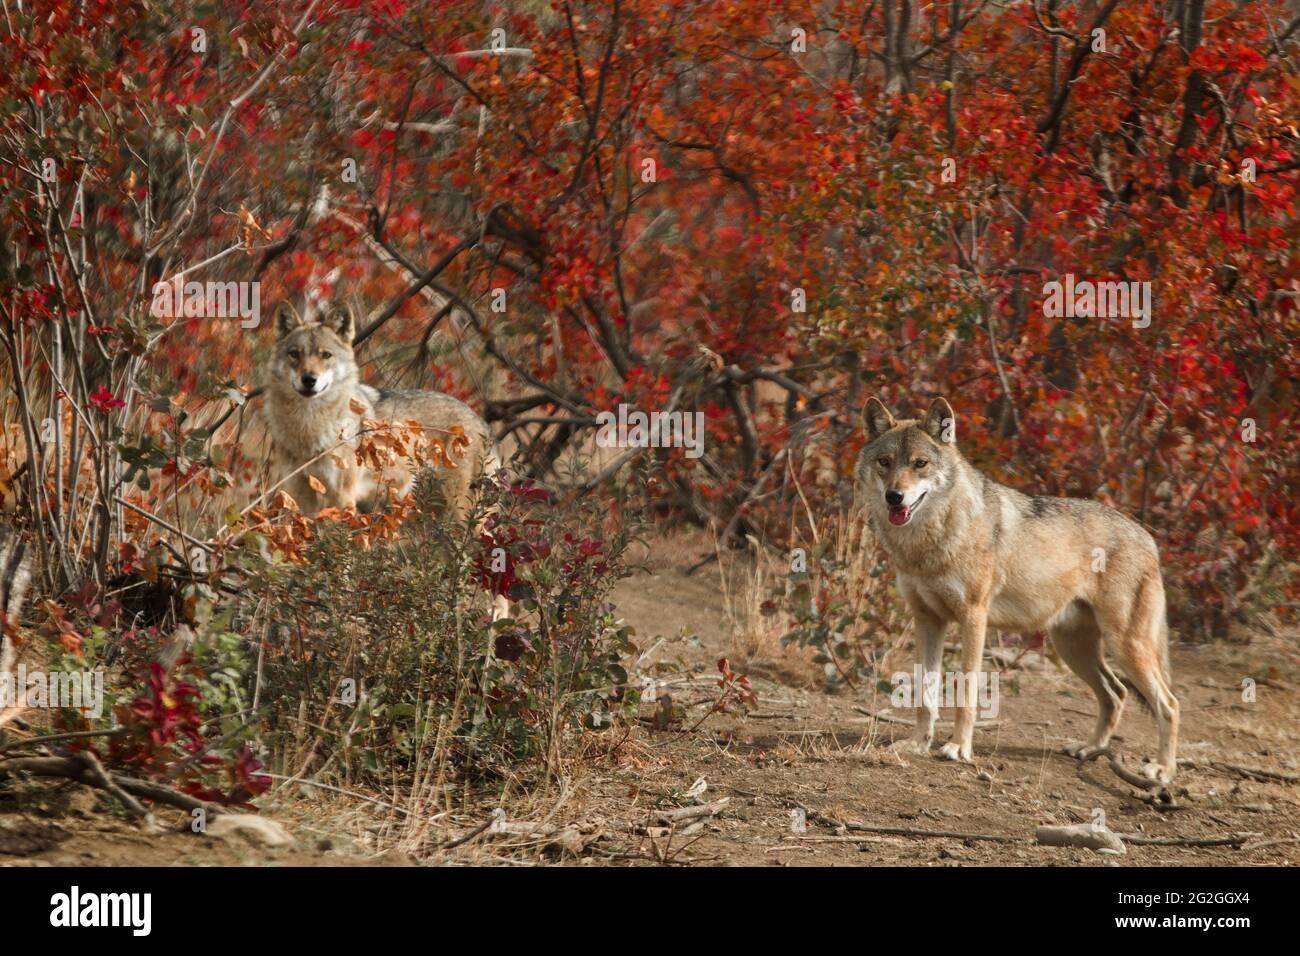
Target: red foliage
x,y
651,183
162,737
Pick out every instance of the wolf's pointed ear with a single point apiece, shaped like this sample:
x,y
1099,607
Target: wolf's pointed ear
x,y
338,318
877,418
940,422
286,319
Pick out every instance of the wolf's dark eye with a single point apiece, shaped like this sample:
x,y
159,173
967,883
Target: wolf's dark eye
x,y
327,355
295,354
920,463
882,462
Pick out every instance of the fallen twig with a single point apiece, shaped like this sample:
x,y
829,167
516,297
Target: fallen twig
x,y
576,837
57,738
684,814
1251,773
325,786
1082,835
805,838
901,831
570,837
1262,844
1158,794
935,834
105,782
472,832
894,719
1232,839
74,768
672,818
1127,775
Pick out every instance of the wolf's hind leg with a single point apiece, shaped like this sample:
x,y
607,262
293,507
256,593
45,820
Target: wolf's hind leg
x,y
1141,646
1077,639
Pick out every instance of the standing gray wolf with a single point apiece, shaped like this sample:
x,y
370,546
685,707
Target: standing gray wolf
x,y
971,552
315,409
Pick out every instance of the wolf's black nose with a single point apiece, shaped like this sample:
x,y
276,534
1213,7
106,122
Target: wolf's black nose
x,y
309,381
894,498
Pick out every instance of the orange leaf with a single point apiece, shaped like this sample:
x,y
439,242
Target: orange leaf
x,y
282,499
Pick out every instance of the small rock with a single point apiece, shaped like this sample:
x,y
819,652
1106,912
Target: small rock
x,y
253,828
985,776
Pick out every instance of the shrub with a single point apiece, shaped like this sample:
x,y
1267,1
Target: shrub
x,y
380,659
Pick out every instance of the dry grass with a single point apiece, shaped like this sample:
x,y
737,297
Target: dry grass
x,y
842,563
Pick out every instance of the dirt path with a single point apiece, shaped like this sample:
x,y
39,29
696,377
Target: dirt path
x,y
826,753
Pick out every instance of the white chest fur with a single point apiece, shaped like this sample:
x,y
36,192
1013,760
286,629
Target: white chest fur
x,y
303,428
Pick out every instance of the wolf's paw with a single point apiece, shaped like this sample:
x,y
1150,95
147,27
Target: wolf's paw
x,y
916,746
955,751
1083,751
1157,774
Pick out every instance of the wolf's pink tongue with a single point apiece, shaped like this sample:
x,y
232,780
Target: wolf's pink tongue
x,y
899,515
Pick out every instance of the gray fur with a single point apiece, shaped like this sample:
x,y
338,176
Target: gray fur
x,y
316,408
972,552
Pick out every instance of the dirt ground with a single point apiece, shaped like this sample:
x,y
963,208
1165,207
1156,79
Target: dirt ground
x,y
805,748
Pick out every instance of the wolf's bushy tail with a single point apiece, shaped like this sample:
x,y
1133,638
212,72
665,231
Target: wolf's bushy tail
x,y
1152,594
1166,670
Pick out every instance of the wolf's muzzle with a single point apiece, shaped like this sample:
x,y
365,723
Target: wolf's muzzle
x,y
899,513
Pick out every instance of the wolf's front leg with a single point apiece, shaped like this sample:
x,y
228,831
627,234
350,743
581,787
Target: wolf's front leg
x,y
347,485
972,628
929,654
301,491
